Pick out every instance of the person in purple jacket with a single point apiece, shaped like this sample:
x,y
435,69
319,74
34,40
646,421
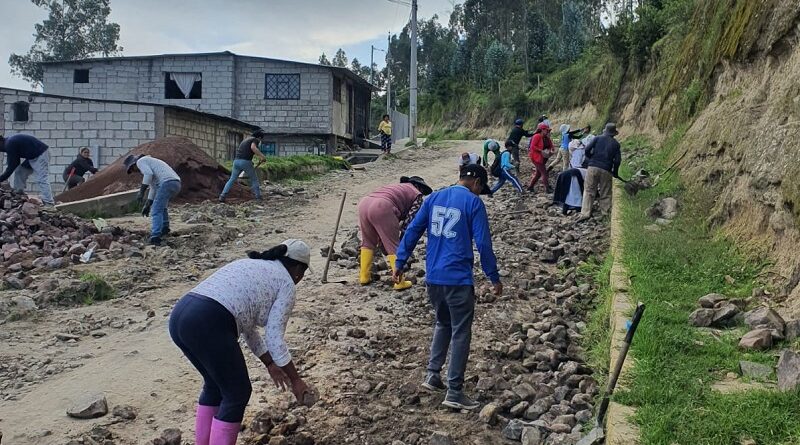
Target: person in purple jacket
x,y
25,155
453,218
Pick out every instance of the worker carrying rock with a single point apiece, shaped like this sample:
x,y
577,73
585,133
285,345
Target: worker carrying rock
x,y
237,300
73,173
382,215
164,185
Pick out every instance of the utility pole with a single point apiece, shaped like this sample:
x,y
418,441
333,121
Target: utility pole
x,y
389,75
372,63
412,102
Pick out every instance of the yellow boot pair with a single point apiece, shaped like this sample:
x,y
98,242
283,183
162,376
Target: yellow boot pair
x,y
365,276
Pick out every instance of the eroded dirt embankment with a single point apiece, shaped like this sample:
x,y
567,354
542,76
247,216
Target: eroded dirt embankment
x,y
741,149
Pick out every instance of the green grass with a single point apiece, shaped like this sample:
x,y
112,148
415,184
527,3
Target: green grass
x,y
299,167
675,365
96,289
597,339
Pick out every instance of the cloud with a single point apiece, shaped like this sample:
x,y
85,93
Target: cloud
x,y
288,29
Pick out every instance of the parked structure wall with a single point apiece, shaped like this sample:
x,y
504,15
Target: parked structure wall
x,y
214,136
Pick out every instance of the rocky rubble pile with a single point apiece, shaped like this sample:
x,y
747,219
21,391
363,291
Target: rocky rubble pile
x,y
278,427
34,238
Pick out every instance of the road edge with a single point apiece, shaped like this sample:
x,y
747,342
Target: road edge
x,y
619,429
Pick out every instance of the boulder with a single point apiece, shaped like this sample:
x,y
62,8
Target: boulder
x,y
764,317
754,370
513,431
792,330
89,407
441,438
710,301
701,318
788,370
489,414
723,314
531,436
758,339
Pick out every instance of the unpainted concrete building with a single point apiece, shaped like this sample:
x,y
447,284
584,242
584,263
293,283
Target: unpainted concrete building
x,y
303,107
110,128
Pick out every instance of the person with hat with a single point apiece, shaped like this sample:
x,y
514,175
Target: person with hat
x,y
505,171
467,159
490,145
604,157
164,184
544,119
73,173
541,146
516,136
382,215
26,154
243,162
454,217
237,300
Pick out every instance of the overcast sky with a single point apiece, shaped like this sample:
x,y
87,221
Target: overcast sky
x,y
287,29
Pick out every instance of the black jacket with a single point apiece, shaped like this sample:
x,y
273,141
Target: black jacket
x,y
604,152
81,166
517,133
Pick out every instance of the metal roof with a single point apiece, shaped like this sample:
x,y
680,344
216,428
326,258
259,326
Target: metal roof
x,y
346,72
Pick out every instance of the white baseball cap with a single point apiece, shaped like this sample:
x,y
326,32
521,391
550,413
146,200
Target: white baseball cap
x,y
298,251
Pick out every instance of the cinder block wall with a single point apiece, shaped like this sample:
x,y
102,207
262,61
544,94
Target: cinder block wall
x,y
212,135
311,114
65,125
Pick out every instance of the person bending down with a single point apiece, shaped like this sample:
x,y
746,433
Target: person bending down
x,y
207,322
73,174
382,215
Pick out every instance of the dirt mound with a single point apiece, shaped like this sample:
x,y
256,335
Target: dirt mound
x,y
202,177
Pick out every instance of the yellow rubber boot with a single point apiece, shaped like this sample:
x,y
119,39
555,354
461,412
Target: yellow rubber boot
x,y
365,277
403,285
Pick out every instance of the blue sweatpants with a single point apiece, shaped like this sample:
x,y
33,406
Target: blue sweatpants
x,y
505,175
206,333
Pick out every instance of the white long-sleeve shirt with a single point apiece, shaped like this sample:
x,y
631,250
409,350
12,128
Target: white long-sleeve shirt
x,y
258,293
154,173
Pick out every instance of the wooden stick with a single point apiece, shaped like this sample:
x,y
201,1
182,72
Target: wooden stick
x,y
333,240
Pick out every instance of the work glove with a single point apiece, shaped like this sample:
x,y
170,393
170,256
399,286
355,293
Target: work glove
x,y
140,195
146,208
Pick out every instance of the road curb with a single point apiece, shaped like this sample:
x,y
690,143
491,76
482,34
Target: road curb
x,y
619,429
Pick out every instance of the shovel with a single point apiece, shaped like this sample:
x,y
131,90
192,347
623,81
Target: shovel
x,y
66,183
333,242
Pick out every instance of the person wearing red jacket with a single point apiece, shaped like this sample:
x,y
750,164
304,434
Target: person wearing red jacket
x,y
540,144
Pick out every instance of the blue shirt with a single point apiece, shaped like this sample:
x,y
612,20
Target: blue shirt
x,y
505,161
453,217
18,147
565,139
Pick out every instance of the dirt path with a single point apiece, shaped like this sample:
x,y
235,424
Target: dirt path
x,y
368,384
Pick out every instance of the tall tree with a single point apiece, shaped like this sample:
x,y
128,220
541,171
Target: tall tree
x,y
340,59
74,29
323,60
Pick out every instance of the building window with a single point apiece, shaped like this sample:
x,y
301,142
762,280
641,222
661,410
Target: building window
x,y
80,76
282,87
183,86
20,110
337,89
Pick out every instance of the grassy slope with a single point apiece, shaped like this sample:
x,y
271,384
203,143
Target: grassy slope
x,y
279,168
676,364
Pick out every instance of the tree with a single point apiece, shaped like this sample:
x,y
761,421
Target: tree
x,y
340,59
74,29
323,60
495,62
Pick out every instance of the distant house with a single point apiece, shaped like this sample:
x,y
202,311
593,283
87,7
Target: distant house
x,y
303,107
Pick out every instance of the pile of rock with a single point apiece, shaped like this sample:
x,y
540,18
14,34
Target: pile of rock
x,y
717,311
766,328
663,212
33,238
278,427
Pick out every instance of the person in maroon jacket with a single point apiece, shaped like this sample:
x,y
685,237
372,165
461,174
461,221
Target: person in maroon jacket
x,y
540,145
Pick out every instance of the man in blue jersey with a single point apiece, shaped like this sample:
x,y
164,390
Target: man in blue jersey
x,y
453,217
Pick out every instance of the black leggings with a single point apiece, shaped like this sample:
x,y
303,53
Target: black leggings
x,y
206,333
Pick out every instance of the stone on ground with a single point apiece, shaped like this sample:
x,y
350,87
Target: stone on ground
x,y
89,407
701,318
513,431
710,301
441,438
594,437
792,330
172,436
757,339
531,436
125,412
755,370
764,317
723,314
788,370
489,413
